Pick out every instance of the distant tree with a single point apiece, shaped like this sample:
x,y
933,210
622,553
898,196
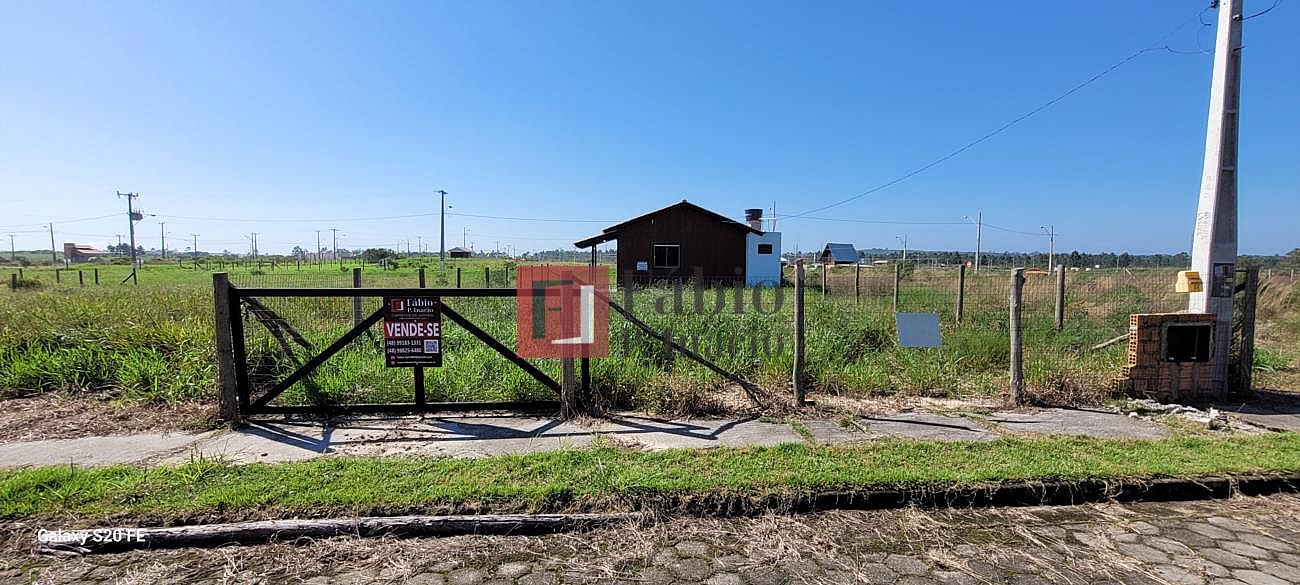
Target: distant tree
x,y
298,252
376,255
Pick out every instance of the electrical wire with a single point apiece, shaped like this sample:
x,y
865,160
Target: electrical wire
x,y
1262,12
1000,129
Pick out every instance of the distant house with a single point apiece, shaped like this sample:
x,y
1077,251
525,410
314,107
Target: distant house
x,y
459,252
685,241
81,252
838,254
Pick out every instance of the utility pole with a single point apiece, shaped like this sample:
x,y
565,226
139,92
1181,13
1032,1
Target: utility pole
x,y
903,239
132,216
335,232
1051,243
1214,246
13,254
442,230
195,252
54,255
464,238
318,246
162,231
252,242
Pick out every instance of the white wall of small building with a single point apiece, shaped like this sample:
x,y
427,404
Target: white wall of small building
x,y
762,269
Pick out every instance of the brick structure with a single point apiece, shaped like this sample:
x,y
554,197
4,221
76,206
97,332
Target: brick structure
x,y
1168,356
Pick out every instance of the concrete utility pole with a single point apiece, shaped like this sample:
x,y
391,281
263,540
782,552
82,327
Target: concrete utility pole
x,y
335,232
54,255
1214,246
195,252
131,217
318,246
903,239
13,254
162,231
1050,230
442,230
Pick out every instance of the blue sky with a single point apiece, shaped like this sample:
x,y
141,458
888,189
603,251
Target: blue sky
x,y
221,113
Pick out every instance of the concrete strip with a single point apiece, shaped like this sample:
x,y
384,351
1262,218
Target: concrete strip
x,y
1085,423
658,434
97,451
924,425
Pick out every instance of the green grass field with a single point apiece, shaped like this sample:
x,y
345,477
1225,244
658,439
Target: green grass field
x,y
604,478
154,341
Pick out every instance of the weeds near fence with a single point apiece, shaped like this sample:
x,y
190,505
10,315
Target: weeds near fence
x,y
155,341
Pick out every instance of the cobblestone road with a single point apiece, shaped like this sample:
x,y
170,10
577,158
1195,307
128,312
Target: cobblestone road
x,y
1245,540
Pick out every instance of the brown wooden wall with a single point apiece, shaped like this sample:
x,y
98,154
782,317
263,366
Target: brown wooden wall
x,y
718,248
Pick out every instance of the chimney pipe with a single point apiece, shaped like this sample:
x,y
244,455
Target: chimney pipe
x,y
754,217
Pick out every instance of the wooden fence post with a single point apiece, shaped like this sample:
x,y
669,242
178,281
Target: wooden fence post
x,y
898,281
797,375
1246,365
356,301
20,272
457,277
857,282
569,407
57,278
81,278
96,276
487,277
961,291
228,399
1060,297
1017,344
13,282
824,271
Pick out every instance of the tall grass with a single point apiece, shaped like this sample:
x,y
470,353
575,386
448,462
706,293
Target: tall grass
x,y
155,341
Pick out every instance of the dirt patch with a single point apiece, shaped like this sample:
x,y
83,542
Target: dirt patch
x,y
62,417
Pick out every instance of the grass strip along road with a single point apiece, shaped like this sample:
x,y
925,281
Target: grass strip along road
x,y
605,478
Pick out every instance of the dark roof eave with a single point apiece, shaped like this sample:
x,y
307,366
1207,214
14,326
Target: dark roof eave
x,y
597,239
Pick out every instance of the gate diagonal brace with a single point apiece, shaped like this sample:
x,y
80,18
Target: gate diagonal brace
x,y
320,358
749,387
500,348
277,325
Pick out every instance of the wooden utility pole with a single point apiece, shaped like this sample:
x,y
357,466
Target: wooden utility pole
x,y
797,375
1017,344
1214,245
54,254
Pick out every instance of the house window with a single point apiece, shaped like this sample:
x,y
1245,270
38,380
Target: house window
x,y
667,255
765,248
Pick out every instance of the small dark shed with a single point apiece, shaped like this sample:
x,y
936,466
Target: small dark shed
x,y
839,254
677,242
459,252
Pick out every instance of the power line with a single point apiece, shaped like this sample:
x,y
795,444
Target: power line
x,y
999,129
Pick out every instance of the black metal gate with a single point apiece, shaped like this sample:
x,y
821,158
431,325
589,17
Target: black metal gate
x,y
240,399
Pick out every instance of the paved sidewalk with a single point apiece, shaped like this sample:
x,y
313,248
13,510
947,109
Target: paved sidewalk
x,y
1233,542
482,436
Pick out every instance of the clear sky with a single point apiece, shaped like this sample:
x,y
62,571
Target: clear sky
x,y
221,113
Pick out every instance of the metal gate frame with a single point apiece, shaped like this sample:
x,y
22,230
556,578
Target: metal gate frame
x,y
237,402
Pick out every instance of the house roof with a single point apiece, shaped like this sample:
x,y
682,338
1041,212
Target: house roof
x,y
611,232
460,249
845,253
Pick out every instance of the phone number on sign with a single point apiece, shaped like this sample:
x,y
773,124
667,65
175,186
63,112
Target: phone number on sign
x,y
97,535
